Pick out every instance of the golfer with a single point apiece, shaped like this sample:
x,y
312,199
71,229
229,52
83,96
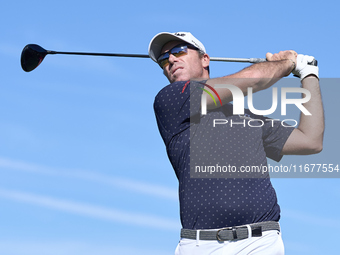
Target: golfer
x,y
236,214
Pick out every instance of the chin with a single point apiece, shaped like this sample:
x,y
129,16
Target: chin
x,y
180,78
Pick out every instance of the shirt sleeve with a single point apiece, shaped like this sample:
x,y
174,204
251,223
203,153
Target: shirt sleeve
x,y
174,105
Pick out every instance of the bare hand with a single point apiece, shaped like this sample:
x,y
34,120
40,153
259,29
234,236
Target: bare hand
x,y
282,55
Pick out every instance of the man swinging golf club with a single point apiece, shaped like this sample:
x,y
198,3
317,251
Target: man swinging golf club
x,y
228,215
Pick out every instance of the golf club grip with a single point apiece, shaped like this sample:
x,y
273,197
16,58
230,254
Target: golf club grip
x,y
313,63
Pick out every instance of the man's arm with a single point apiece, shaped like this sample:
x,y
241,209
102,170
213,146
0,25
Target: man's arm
x,y
259,76
308,137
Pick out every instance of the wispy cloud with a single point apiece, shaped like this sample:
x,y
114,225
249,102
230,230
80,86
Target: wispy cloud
x,y
24,247
90,210
124,183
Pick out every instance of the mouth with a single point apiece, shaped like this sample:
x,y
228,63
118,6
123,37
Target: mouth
x,y
176,69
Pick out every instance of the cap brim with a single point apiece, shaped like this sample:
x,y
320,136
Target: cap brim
x,y
157,43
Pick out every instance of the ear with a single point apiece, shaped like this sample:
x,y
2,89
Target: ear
x,y
205,60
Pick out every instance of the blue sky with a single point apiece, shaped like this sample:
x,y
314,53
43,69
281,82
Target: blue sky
x,y
83,168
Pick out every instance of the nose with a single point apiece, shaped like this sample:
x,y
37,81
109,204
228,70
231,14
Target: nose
x,y
172,58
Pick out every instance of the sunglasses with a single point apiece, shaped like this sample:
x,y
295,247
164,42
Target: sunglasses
x,y
177,51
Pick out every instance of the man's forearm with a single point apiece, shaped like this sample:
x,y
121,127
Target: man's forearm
x,y
313,125
259,76
307,138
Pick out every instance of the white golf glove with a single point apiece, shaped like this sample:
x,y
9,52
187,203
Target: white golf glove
x,y
303,69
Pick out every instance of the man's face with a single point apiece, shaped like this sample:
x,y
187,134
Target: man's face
x,y
185,67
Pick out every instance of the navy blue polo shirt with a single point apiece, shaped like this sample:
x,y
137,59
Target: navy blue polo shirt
x,y
192,139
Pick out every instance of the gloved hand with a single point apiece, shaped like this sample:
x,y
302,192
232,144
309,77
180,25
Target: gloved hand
x,y
303,69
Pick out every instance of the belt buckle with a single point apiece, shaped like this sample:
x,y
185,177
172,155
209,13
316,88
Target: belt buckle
x,y
226,228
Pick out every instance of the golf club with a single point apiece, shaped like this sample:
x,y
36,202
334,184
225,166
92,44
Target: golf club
x,y
32,55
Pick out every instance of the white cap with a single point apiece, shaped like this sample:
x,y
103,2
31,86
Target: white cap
x,y
161,39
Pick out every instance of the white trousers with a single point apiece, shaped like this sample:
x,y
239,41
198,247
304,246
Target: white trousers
x,y
269,243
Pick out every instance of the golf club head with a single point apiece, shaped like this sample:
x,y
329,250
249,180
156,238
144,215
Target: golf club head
x,y
31,57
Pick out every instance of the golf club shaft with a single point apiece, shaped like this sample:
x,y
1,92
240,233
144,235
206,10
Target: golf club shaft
x,y
249,60
99,54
